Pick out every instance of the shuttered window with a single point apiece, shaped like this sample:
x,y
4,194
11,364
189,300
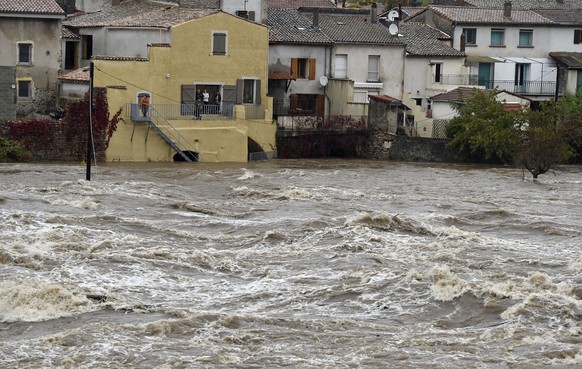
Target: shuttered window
x,y
218,43
578,36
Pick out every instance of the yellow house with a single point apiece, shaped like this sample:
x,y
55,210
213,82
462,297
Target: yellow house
x,y
207,94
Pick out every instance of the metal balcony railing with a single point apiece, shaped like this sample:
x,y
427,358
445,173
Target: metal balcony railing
x,y
299,107
523,88
184,111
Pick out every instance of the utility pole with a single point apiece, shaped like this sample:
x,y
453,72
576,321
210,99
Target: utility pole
x,y
90,123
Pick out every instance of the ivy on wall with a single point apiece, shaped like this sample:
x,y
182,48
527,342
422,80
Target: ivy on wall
x,y
66,139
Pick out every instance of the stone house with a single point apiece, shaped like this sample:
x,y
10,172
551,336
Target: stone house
x,y
30,37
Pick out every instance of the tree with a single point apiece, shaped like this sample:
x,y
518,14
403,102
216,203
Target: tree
x,y
538,140
484,129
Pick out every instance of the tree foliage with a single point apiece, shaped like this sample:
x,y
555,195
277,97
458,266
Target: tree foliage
x,y
538,140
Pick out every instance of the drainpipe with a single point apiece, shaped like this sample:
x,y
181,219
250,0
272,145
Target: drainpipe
x,y
327,71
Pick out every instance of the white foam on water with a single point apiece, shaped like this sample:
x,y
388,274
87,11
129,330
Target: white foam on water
x,y
33,300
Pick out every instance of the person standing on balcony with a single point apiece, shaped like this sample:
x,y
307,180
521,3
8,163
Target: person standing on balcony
x,y
205,97
217,100
145,104
198,104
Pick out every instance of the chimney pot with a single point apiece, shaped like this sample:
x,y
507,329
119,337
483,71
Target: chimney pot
x,y
507,9
316,18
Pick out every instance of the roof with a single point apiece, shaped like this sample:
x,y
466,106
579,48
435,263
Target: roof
x,y
464,93
31,7
458,94
562,16
409,11
353,26
296,4
138,13
571,60
527,4
80,75
465,14
66,32
384,98
292,26
424,40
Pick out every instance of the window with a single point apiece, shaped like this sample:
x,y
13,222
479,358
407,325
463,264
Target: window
x,y
341,66
24,53
497,37
373,67
578,36
87,46
470,36
248,91
302,68
438,73
71,55
525,37
24,90
219,43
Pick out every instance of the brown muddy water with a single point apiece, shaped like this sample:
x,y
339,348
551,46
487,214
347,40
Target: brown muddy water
x,y
289,264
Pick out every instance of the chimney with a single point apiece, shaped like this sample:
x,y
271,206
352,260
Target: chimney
x,y
316,18
374,13
115,2
460,2
507,9
462,47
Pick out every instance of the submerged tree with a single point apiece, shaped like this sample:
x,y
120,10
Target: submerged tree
x,y
537,140
484,128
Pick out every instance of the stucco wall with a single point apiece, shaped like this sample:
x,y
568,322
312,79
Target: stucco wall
x,y
184,63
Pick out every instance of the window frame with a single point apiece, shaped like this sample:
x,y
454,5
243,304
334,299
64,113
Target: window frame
x,y
215,52
344,70
28,89
525,31
375,73
87,48
502,32
19,50
468,39
438,72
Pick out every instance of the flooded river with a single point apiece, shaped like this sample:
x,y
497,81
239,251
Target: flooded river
x,y
289,264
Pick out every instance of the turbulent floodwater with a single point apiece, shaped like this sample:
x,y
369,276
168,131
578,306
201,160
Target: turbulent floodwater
x,y
289,264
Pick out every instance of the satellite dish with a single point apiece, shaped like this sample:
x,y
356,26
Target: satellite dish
x,y
323,81
392,15
393,29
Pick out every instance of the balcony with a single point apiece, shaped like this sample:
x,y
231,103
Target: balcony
x,y
296,107
537,88
184,111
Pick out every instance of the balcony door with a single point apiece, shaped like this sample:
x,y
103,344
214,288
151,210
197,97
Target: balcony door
x,y
484,76
521,75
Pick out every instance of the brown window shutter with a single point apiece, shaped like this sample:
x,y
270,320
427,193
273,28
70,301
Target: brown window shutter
x,y
312,68
320,105
293,101
294,67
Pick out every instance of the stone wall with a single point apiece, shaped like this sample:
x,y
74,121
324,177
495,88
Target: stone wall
x,y
422,149
7,79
